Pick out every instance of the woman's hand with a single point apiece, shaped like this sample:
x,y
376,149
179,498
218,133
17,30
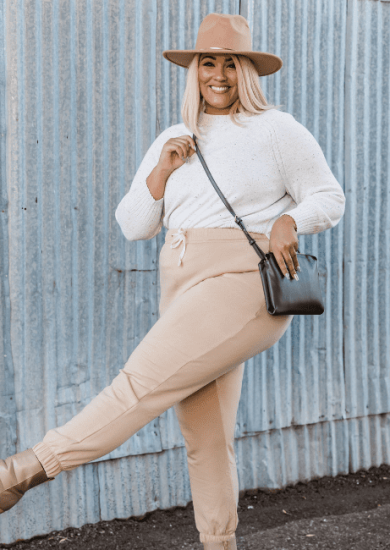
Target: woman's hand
x,y
283,244
175,152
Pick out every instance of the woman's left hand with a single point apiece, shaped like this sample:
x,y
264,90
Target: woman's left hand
x,y
283,244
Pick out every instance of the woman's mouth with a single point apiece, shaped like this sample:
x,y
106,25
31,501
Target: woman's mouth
x,y
220,89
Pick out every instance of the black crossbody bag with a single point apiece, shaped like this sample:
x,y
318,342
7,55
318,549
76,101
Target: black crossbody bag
x,y
283,296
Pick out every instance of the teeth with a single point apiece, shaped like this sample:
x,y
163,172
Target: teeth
x,y
219,89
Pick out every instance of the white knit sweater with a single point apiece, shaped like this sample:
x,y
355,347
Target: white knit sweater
x,y
271,166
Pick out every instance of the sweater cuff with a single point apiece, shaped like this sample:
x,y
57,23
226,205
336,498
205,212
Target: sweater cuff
x,y
148,209
138,205
146,200
306,218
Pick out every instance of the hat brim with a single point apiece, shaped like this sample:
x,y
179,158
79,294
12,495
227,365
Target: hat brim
x,y
265,63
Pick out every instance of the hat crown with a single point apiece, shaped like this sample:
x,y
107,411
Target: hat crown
x,y
224,31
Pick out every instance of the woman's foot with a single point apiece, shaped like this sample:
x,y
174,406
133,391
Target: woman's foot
x,y
18,474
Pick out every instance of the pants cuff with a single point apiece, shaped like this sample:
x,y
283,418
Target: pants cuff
x,y
48,460
216,538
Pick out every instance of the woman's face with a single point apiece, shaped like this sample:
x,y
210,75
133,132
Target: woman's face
x,y
218,82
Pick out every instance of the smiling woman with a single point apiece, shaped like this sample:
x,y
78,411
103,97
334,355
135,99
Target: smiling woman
x,y
217,83
207,74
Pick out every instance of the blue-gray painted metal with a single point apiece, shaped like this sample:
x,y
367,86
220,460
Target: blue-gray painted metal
x,y
7,386
367,224
84,91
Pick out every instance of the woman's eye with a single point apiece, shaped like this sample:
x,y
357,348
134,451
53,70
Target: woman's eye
x,y
232,65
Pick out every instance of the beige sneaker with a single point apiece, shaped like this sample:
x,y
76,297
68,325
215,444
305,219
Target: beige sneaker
x,y
18,474
223,545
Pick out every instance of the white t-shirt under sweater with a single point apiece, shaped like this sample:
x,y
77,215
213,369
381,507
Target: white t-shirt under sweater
x,y
271,166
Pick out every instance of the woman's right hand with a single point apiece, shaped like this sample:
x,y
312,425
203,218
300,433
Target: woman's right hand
x,y
174,151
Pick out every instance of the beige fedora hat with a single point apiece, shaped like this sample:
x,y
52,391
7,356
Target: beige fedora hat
x,y
225,33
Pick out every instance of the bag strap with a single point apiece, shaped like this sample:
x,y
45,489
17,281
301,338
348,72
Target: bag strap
x,y
238,220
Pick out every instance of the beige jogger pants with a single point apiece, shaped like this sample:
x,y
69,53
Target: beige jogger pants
x,y
213,319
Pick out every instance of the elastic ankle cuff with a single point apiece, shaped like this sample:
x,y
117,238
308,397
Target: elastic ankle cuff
x,y
215,538
48,460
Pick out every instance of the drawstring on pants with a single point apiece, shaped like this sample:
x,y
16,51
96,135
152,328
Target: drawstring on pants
x,y
180,237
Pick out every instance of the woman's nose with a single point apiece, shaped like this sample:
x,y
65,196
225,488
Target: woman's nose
x,y
220,73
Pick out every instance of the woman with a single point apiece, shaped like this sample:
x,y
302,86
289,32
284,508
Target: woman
x,y
213,316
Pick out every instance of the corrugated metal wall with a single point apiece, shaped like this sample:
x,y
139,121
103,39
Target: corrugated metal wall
x,y
84,91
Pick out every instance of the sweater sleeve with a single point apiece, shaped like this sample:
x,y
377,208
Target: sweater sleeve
x,y
139,215
309,180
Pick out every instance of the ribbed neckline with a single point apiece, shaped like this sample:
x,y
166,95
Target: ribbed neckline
x,y
212,120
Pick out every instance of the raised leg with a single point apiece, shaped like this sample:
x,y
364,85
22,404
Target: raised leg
x,y
209,330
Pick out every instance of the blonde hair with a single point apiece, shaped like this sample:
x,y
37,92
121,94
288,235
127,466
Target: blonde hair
x,y
250,101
